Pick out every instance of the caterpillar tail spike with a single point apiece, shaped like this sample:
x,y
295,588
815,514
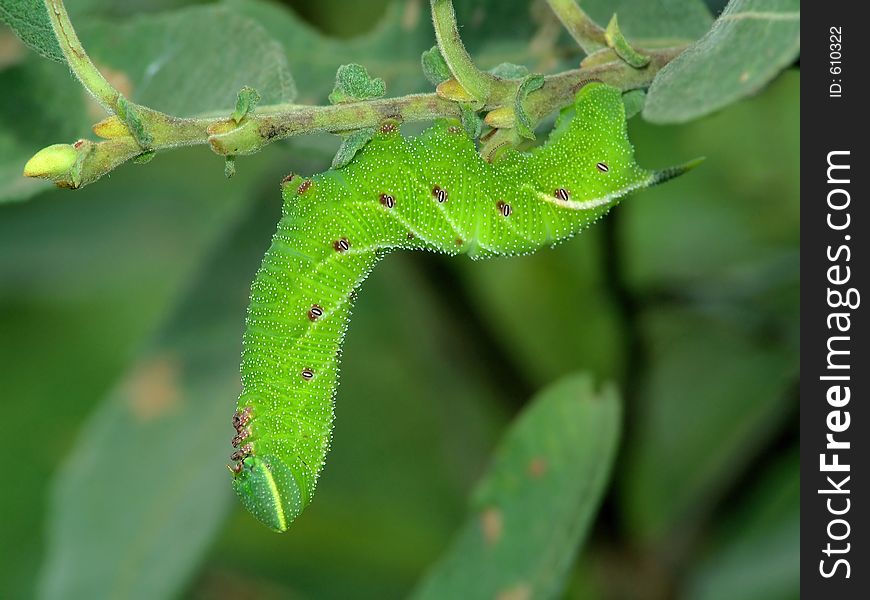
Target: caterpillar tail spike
x,y
671,172
434,193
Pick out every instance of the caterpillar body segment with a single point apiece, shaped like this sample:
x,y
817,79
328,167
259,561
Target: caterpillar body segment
x,y
433,192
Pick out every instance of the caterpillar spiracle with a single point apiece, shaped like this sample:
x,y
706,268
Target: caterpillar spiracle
x,y
433,192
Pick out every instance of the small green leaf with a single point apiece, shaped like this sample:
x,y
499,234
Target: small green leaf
x,y
144,158
654,24
353,83
749,44
148,472
350,145
709,403
29,20
229,166
534,507
130,115
246,102
633,101
509,71
434,66
620,45
471,121
524,125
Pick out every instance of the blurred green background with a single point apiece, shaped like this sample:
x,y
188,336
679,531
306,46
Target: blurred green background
x,y
122,305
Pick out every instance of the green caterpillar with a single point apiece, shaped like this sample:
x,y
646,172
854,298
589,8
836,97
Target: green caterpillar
x,y
433,192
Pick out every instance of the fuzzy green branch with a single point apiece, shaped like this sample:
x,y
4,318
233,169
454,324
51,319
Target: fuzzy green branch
x,y
557,91
78,60
137,131
586,32
477,83
620,45
139,120
263,128
272,123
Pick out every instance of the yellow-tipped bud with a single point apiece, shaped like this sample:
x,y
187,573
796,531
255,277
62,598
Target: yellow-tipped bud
x,y
452,90
502,117
111,128
53,162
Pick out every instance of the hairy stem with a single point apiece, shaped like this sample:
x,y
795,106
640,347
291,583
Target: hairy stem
x,y
476,82
265,127
588,34
135,129
79,61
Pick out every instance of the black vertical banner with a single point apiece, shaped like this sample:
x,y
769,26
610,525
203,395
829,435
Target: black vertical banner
x,y
835,225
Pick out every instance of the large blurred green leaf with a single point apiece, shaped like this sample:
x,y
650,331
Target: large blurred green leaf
x,y
12,159
83,277
736,214
726,237
29,19
658,23
715,391
41,104
750,43
392,49
710,262
755,551
537,501
148,470
191,60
